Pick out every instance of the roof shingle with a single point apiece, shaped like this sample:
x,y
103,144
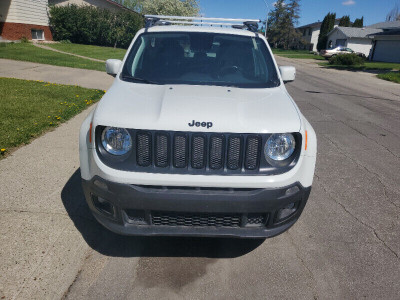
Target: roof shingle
x,y
354,32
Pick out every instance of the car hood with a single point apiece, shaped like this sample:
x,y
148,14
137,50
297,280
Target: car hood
x,y
174,107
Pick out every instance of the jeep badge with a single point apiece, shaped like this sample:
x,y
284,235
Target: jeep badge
x,y
202,124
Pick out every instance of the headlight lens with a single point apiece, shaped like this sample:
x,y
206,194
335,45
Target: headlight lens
x,y
280,146
116,141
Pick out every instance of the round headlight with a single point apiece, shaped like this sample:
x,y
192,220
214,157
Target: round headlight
x,y
280,146
116,141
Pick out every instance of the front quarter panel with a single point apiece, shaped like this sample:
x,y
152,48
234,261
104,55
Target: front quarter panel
x,y
85,145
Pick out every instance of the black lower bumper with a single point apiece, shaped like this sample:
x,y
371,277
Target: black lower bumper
x,y
183,211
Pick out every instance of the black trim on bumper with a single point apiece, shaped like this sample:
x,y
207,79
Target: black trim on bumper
x,y
198,202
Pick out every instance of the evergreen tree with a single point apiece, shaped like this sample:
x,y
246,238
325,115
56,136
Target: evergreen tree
x,y
276,24
345,21
281,24
293,15
359,23
394,14
327,25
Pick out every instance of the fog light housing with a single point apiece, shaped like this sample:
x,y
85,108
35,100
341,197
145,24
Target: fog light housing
x,y
137,217
101,185
286,212
291,191
103,206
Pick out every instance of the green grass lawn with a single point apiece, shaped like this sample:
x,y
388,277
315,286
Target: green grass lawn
x,y
373,66
368,65
97,52
29,108
28,52
391,76
392,69
299,54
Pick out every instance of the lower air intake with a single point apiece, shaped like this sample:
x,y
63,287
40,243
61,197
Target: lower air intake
x,y
195,220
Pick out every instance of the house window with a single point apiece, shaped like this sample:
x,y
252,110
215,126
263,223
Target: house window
x,y
37,34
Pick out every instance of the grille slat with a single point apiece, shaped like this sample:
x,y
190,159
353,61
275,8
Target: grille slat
x,y
161,155
198,152
252,152
216,152
143,154
234,155
180,151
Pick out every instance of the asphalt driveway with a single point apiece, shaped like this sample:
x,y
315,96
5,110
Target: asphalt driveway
x,y
346,244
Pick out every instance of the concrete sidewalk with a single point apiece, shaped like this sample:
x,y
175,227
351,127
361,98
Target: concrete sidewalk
x,y
62,75
40,249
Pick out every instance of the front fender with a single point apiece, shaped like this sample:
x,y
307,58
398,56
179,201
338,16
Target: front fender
x,y
85,145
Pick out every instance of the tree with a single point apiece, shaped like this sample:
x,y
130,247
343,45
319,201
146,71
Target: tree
x,y
169,7
281,24
276,26
327,25
359,23
345,21
294,38
131,4
394,14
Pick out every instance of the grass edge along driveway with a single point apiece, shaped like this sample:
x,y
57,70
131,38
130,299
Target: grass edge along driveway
x,y
97,52
387,71
30,108
28,52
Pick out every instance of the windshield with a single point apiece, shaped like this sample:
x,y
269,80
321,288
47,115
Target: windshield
x,y
200,59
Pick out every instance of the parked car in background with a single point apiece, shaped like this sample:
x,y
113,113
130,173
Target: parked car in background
x,y
330,52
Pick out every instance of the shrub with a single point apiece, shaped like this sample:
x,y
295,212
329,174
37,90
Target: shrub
x,y
347,60
24,39
94,26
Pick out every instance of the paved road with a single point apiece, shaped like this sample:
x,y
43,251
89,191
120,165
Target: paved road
x,y
345,246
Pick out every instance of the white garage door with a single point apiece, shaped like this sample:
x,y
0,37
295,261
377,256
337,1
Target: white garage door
x,y
388,51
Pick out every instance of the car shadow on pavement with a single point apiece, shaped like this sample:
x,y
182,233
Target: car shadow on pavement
x,y
111,244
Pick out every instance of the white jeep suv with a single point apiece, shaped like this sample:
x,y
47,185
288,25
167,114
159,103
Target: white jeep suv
x,y
197,136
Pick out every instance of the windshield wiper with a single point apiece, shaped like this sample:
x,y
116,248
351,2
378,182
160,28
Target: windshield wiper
x,y
137,79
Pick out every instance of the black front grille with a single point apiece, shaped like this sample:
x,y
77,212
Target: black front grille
x,y
197,152
195,220
202,153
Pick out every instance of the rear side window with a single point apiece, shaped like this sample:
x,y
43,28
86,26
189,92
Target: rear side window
x,y
201,59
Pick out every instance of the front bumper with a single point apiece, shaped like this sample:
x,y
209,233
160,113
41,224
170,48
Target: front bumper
x,y
184,211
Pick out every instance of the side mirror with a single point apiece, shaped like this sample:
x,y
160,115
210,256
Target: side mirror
x,y
113,66
288,73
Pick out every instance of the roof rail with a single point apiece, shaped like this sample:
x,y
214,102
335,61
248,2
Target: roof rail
x,y
156,20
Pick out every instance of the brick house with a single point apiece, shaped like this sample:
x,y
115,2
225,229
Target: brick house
x,y
29,18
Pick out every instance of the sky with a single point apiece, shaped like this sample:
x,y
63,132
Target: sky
x,y
374,11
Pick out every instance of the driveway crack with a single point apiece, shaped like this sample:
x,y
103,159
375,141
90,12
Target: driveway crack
x,y
308,270
375,234
376,175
